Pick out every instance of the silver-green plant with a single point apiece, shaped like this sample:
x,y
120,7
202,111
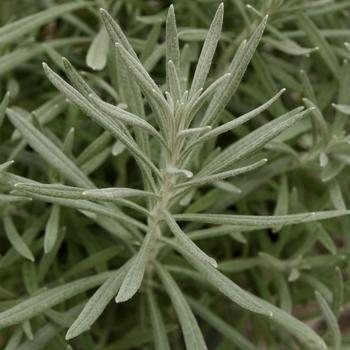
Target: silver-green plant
x,y
174,148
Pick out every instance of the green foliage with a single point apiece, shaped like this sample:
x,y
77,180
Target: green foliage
x,y
210,178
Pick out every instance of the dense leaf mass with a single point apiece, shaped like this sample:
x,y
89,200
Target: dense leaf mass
x,y
174,176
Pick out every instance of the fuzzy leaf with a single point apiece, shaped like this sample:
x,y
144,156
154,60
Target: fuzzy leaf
x,y
260,222
52,229
240,120
71,197
189,326
148,86
134,276
254,304
221,326
115,33
46,299
324,49
237,69
342,108
97,54
208,50
186,242
15,239
115,193
3,106
106,121
330,319
171,39
23,26
253,141
161,341
96,304
198,181
48,150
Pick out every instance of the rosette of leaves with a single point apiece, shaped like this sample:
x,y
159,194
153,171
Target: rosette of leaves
x,y
173,133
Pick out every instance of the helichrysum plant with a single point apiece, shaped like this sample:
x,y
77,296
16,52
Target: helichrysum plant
x,y
194,216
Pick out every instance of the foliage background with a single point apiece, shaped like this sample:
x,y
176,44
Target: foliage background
x,y
307,170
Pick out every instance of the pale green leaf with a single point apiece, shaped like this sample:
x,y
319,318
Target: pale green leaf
x,y
240,120
253,141
330,319
23,26
93,260
3,106
260,222
338,292
342,108
96,304
254,304
237,69
71,197
208,50
186,241
161,341
198,181
192,334
115,32
48,150
96,57
106,121
46,299
5,165
134,276
174,84
15,239
336,195
148,86
116,193
230,334
52,229
324,49
171,39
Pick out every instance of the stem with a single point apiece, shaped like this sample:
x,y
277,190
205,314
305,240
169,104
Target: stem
x,y
166,192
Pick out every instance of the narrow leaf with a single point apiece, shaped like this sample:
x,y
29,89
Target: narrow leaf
x,y
48,150
338,291
97,54
253,141
237,69
106,121
46,299
324,49
135,273
3,106
208,50
186,241
161,341
330,319
259,222
96,304
229,333
192,334
240,120
23,26
198,181
115,32
254,304
148,86
171,39
15,239
52,229
116,192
